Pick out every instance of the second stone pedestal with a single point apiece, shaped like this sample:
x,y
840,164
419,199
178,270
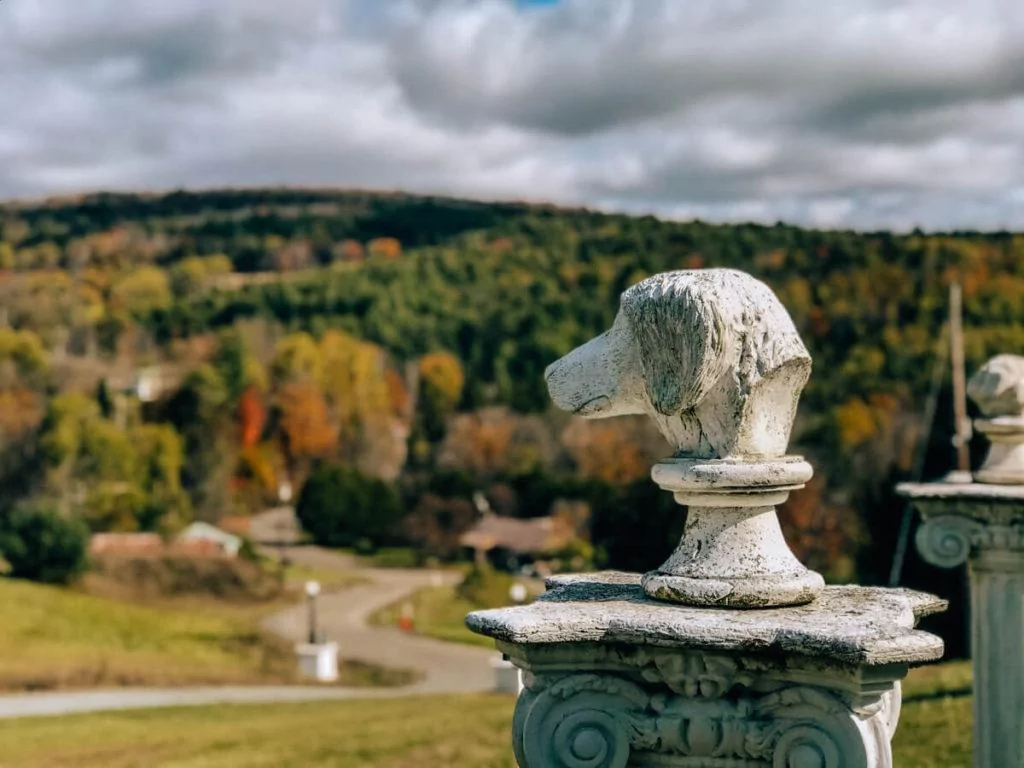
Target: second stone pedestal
x,y
614,678
983,526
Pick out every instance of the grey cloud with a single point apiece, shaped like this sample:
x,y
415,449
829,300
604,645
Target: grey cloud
x,y
889,113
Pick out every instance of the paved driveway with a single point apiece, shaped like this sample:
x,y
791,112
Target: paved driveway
x,y
447,667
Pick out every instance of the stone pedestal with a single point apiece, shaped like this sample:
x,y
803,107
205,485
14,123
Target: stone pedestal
x,y
983,525
731,653
615,678
732,553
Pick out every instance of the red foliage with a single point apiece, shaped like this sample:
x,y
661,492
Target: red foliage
x,y
252,416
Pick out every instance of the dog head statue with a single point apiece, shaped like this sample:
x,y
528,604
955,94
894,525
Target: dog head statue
x,y
711,355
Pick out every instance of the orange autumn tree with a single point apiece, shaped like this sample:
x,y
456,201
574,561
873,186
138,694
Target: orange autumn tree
x,y
307,430
609,451
479,442
252,416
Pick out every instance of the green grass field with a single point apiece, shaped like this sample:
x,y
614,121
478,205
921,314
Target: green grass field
x,y
437,732
52,637
440,612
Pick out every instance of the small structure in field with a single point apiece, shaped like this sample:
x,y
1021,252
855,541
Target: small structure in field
x,y
210,537
277,526
510,543
131,544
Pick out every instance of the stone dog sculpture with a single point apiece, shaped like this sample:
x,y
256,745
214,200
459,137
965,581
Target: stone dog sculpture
x,y
711,355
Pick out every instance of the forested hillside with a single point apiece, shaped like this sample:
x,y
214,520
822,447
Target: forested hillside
x,y
406,337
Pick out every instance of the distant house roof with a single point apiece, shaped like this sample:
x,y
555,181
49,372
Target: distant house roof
x,y
534,536
210,533
275,526
240,525
125,544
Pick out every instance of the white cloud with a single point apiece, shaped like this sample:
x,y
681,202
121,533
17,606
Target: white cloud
x,y
887,113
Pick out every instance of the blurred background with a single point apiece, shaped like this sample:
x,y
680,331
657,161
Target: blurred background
x,y
279,281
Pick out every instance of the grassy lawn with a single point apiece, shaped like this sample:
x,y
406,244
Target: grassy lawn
x,y
54,638
439,613
439,732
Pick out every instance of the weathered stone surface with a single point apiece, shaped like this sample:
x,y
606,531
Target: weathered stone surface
x,y
998,390
858,625
711,355
612,706
961,520
613,678
998,386
660,670
983,525
732,553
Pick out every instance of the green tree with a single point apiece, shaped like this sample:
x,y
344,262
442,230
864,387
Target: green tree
x,y
6,256
338,506
42,545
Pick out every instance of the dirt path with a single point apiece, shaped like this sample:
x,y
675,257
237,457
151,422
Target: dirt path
x,y
343,615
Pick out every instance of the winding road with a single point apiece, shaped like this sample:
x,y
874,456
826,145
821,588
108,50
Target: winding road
x,y
343,616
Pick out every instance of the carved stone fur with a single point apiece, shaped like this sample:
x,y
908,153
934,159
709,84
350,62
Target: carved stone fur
x,y
711,355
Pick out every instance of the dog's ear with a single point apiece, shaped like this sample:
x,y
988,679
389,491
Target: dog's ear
x,y
684,345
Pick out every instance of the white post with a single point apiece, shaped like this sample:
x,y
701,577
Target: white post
x,y
981,523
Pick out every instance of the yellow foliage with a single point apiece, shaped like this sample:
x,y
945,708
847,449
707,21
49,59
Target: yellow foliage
x,y
354,377
297,357
858,421
24,349
442,373
144,289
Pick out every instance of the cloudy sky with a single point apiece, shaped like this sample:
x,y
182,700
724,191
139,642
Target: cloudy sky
x,y
862,113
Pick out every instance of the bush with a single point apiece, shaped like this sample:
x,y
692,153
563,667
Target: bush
x,y
484,587
340,507
224,578
40,544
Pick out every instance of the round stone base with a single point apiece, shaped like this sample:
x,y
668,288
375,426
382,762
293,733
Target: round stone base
x,y
768,591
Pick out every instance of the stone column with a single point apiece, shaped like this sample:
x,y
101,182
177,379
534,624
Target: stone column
x,y
981,523
731,653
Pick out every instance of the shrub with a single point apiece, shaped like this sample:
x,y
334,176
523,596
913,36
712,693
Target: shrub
x,y
340,507
224,578
485,587
40,544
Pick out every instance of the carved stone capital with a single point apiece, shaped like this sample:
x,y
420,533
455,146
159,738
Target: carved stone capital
x,y
607,721
613,678
948,540
968,521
